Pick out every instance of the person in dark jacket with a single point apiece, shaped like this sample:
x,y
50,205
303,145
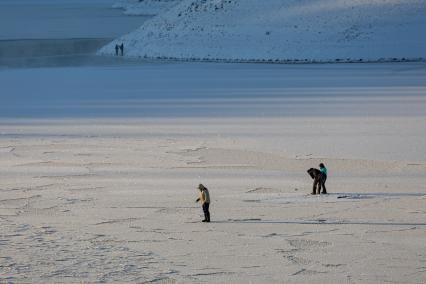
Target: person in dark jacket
x,y
205,201
116,50
122,49
317,177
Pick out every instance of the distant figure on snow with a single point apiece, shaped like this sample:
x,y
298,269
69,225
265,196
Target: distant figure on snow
x,y
205,201
318,177
116,50
122,49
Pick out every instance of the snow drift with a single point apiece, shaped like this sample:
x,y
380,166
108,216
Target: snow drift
x,y
282,30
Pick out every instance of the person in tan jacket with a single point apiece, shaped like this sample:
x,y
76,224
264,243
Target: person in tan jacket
x,y
205,201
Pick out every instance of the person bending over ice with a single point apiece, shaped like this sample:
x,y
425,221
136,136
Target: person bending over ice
x,y
319,180
205,201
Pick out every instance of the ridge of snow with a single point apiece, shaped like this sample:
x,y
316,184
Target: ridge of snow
x,y
282,31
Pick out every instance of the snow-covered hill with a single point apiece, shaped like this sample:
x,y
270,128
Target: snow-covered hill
x,y
283,30
144,7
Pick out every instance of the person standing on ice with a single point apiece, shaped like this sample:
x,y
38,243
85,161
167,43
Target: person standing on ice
x,y
205,201
122,49
116,50
323,178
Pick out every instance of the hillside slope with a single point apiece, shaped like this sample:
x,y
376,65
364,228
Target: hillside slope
x,y
282,30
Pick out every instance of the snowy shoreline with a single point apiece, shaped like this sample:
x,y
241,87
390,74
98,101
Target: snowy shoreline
x,y
282,31
273,61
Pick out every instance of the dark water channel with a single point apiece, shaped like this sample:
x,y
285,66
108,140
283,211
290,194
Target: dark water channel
x,y
34,53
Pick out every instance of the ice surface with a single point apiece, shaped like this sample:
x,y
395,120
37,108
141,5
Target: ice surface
x,y
145,7
216,90
51,19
